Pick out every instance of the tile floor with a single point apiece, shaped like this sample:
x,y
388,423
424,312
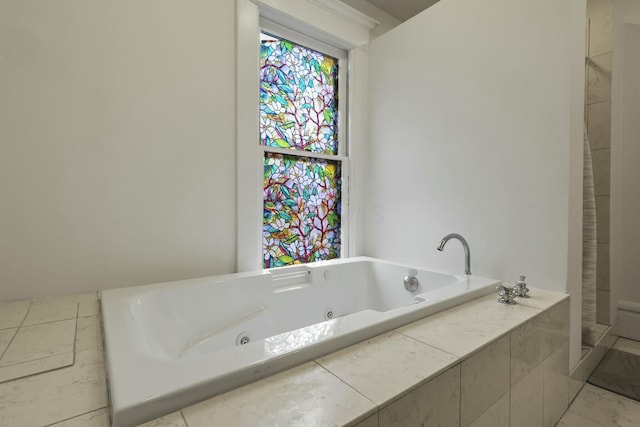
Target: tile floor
x,y
51,363
597,407
40,388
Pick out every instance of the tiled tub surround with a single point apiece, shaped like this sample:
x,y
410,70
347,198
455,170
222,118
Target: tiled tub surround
x,y
481,363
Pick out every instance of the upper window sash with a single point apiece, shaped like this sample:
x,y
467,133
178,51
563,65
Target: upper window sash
x,y
343,64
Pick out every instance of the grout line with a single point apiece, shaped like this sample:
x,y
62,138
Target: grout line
x,y
460,398
377,406
459,358
36,359
17,330
79,415
75,336
343,381
36,373
183,418
510,388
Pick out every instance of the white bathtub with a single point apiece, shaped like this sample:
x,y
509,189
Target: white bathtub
x,y
169,345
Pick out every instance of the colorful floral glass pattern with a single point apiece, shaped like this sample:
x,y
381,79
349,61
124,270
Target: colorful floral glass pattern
x,y
298,97
301,220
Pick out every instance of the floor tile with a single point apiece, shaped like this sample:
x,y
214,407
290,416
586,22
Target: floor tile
x,y
172,420
40,341
99,418
88,304
51,310
55,396
38,366
570,419
306,396
606,408
387,365
12,314
89,334
5,338
629,346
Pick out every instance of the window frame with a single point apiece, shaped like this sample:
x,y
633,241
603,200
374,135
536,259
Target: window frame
x,y
281,31
330,22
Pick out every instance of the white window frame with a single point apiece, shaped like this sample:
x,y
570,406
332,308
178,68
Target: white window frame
x,y
341,157
309,21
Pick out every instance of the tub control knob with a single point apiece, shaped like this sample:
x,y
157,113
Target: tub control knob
x,y
507,295
521,289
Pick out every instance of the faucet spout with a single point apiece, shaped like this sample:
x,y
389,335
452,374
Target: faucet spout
x,y
465,245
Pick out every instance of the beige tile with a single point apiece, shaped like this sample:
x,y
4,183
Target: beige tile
x,y
40,341
602,281
6,335
629,346
489,311
371,421
600,15
51,310
555,323
599,78
526,400
88,304
602,215
89,334
599,125
13,313
555,385
602,306
569,419
307,395
20,370
575,385
527,349
454,332
99,418
55,396
485,379
385,366
436,403
601,172
172,420
542,299
496,416
606,408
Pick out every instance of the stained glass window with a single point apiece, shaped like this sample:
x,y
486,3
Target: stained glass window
x,y
302,193
298,97
301,210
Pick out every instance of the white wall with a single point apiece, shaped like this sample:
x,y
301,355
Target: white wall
x,y
116,149
625,173
476,116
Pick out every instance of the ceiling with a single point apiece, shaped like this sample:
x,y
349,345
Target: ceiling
x,y
402,9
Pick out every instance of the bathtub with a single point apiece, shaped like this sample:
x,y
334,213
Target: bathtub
x,y
169,345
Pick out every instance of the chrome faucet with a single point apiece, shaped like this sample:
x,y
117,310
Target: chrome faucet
x,y
465,245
